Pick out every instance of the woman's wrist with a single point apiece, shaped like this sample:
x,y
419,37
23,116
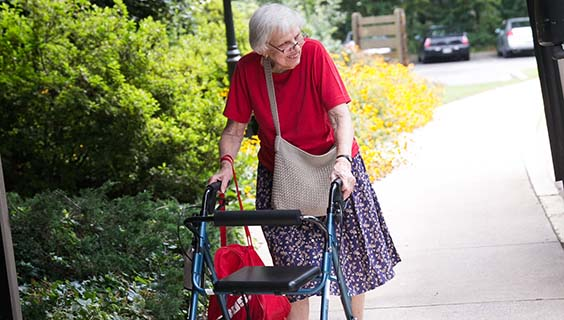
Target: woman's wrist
x,y
345,156
226,159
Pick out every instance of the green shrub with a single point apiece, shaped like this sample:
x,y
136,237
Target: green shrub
x,y
62,237
91,96
102,297
89,253
79,254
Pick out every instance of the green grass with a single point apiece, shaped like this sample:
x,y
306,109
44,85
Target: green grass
x,y
453,93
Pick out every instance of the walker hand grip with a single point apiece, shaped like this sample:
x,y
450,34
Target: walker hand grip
x,y
214,186
335,192
258,218
210,197
339,182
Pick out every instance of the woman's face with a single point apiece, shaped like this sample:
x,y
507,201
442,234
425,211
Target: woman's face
x,y
286,50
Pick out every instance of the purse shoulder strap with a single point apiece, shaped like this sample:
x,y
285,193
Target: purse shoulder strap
x,y
271,95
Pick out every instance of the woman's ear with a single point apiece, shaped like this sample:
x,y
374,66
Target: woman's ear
x,y
263,53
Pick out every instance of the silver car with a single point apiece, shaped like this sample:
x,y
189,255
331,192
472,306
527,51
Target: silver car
x,y
514,37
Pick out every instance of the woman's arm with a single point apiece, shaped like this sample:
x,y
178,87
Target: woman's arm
x,y
344,134
342,125
229,144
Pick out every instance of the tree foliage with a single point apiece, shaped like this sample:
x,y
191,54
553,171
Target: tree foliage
x,y
88,95
141,9
478,18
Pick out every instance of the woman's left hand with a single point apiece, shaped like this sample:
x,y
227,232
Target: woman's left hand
x,y
343,170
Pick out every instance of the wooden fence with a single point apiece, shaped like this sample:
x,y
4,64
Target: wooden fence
x,y
382,32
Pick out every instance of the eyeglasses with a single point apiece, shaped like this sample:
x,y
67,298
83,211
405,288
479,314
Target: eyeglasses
x,y
289,45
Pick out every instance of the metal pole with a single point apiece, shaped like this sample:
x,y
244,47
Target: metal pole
x,y
233,53
9,294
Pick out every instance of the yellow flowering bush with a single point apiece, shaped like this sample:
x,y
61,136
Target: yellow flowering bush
x,y
245,167
388,102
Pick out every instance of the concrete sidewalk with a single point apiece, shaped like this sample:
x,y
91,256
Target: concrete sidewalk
x,y
469,216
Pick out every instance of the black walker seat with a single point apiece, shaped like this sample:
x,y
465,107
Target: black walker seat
x,y
280,280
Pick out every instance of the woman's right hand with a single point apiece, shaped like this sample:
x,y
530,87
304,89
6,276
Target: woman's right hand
x,y
225,174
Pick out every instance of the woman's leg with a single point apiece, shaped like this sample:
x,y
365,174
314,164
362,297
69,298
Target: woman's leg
x,y
357,304
300,310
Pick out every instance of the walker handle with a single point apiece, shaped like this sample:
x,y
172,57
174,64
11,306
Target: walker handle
x,y
210,197
335,191
214,186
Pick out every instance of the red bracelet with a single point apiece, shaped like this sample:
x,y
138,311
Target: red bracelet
x,y
227,158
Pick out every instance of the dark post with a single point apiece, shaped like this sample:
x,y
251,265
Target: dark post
x,y
548,50
233,53
9,294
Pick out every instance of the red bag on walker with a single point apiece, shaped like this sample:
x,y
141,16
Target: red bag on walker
x,y
233,257
229,259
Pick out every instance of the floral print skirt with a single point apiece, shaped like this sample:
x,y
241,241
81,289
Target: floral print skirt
x,y
367,253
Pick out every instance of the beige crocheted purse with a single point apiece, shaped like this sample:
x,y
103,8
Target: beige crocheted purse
x,y
300,180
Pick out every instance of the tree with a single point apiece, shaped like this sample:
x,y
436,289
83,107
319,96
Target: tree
x,y
176,14
512,9
140,9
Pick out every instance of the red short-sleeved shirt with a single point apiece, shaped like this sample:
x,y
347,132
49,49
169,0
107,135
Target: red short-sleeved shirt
x,y
304,95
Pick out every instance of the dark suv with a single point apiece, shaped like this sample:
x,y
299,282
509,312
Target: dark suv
x,y
442,43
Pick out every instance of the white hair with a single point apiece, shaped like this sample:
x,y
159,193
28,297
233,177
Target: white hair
x,y
269,19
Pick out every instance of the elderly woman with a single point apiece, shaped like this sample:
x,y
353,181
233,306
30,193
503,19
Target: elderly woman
x,y
314,116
